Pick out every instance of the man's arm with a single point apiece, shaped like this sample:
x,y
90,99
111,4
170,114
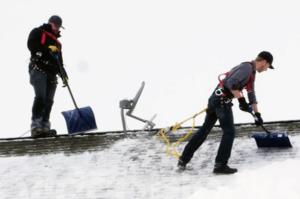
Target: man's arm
x,y
255,109
236,94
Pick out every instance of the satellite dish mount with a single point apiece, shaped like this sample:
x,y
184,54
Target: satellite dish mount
x,y
130,105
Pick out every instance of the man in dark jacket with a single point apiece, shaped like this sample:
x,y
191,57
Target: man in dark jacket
x,y
219,108
43,69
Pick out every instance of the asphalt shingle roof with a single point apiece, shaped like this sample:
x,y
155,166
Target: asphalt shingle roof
x,y
105,165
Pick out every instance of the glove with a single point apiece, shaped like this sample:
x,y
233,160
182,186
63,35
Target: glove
x,y
53,49
260,120
243,104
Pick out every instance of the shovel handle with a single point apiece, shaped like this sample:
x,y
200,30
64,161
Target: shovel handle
x,y
256,119
56,57
62,71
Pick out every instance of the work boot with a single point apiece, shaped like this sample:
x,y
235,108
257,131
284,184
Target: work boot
x,y
225,170
49,132
36,127
181,165
36,132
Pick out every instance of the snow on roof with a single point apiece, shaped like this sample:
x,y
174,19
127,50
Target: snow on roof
x,y
105,165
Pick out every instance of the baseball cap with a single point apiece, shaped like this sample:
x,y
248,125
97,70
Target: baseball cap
x,y
267,56
56,20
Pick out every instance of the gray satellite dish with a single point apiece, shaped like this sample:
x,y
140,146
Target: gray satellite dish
x,y
130,105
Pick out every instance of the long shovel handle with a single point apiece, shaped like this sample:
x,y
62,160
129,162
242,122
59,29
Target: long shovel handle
x,y
56,57
71,95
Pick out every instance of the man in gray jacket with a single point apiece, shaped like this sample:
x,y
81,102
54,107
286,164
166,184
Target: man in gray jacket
x,y
219,108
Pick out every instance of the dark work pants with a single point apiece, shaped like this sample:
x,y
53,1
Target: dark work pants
x,y
217,110
44,88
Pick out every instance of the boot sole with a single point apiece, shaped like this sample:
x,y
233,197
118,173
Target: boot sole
x,y
44,133
220,172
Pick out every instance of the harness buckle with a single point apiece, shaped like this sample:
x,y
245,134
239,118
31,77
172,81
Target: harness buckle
x,y
219,92
227,100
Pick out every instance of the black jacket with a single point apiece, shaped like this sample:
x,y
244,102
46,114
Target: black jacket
x,y
41,51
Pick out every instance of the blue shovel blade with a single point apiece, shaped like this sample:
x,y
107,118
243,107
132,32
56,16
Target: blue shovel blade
x,y
80,120
275,139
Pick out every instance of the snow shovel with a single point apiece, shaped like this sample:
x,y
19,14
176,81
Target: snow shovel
x,y
268,139
79,120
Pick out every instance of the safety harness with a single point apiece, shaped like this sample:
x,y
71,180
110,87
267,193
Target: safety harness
x,y
45,33
37,59
247,87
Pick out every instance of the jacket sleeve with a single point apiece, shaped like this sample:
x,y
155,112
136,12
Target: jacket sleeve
x,y
34,41
62,72
251,95
61,56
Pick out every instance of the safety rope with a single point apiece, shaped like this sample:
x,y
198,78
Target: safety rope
x,y
175,127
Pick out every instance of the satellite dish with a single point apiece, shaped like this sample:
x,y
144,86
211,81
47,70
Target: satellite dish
x,y
130,105
135,99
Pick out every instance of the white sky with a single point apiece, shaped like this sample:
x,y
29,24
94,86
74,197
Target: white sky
x,y
177,47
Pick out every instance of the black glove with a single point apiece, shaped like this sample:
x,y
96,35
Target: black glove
x,y
259,119
243,104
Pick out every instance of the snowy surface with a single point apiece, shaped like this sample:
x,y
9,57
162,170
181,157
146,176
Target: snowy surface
x,y
140,168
